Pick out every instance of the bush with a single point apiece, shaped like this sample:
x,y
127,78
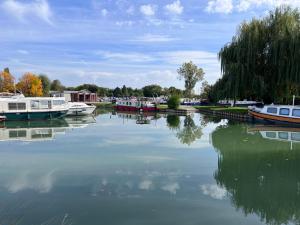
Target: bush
x,y
174,102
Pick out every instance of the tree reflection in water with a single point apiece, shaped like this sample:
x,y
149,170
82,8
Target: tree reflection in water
x,y
189,132
261,175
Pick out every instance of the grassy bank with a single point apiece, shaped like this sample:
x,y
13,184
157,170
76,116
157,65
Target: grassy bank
x,y
240,110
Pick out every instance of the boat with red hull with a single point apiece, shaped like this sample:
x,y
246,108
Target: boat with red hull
x,y
135,105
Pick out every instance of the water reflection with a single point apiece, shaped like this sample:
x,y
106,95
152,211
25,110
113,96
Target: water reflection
x,y
41,130
260,171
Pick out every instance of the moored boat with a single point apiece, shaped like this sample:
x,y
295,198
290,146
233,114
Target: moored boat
x,y
135,105
80,109
288,114
18,107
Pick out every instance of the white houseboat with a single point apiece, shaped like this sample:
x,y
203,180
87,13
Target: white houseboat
x,y
80,109
18,107
135,105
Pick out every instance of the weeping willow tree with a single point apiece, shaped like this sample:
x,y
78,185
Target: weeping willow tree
x,y
262,60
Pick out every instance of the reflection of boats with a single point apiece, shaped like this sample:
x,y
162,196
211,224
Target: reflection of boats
x,y
140,118
291,134
80,109
18,107
276,113
135,105
40,130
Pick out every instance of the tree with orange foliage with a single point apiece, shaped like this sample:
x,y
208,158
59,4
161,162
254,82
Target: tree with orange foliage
x,y
30,85
6,81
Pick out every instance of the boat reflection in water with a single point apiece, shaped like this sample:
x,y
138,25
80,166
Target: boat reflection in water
x,y
260,171
140,118
40,130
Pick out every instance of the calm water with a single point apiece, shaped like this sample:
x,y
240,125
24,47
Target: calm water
x,y
128,169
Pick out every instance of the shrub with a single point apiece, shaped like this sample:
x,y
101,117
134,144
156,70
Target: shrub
x,y
174,102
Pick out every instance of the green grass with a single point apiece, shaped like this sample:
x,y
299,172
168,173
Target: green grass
x,y
160,106
241,110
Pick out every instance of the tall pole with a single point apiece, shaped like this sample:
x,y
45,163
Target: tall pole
x,y
293,100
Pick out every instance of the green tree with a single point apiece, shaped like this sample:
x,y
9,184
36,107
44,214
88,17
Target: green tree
x,y
174,102
153,90
191,75
173,122
190,131
124,91
56,86
262,60
117,92
90,87
46,83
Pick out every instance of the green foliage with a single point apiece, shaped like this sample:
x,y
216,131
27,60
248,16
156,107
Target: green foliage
x,y
174,102
46,83
56,86
91,87
262,61
152,90
191,75
190,131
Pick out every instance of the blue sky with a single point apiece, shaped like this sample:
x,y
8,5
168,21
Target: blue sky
x,y
116,42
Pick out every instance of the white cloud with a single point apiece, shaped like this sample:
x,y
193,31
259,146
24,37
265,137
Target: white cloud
x,y
171,187
23,11
131,56
228,6
125,23
213,191
23,52
174,8
219,6
148,10
155,38
104,12
145,185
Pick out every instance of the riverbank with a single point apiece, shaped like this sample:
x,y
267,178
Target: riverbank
x,y
236,113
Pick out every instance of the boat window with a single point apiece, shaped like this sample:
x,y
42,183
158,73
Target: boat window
x,y
17,133
295,136
272,110
283,135
34,104
44,104
17,106
284,111
270,134
296,112
58,102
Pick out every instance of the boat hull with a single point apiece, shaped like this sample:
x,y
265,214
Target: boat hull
x,y
274,118
34,115
131,108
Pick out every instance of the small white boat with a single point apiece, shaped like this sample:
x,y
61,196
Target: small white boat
x,y
80,109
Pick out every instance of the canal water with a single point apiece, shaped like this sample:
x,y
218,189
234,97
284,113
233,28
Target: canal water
x,y
135,169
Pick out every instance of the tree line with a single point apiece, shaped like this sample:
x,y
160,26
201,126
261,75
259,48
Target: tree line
x,y
40,85
262,60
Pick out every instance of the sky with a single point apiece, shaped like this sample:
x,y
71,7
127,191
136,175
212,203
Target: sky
x,y
116,42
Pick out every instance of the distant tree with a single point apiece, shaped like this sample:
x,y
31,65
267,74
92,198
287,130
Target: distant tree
x,y
57,86
138,92
30,85
103,92
175,91
91,87
153,90
117,92
6,81
191,75
205,90
46,83
124,91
